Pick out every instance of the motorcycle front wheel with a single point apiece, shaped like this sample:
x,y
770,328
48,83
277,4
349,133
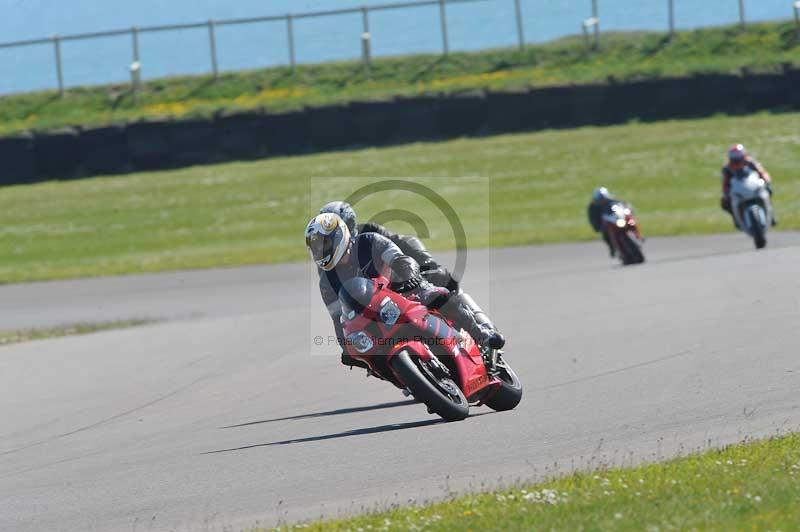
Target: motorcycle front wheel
x,y
508,396
440,394
633,251
759,238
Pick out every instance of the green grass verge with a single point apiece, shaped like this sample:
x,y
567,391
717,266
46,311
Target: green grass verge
x,y
751,486
255,212
623,56
26,335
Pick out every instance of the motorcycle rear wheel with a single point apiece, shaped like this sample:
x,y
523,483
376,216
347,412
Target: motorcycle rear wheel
x,y
510,393
441,395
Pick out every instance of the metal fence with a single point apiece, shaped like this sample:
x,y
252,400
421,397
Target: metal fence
x,y
590,25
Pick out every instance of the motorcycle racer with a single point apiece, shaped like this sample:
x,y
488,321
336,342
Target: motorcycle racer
x,y
409,245
340,257
412,246
739,160
601,204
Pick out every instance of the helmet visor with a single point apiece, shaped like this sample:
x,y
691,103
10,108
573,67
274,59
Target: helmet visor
x,y
321,247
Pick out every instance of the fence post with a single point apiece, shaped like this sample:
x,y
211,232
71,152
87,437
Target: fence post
x,y
135,42
797,17
443,20
212,43
671,18
136,66
136,80
741,15
290,37
366,38
520,27
596,17
59,74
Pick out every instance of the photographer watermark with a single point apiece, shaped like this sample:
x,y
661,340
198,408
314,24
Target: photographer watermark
x,y
448,216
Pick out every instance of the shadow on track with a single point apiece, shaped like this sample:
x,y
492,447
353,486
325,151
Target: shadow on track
x,y
338,412
337,435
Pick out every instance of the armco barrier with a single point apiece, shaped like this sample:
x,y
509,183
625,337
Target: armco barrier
x,y
375,122
764,92
331,127
462,114
149,144
104,150
590,105
240,134
551,107
18,160
286,133
719,92
167,143
57,153
416,118
194,142
509,111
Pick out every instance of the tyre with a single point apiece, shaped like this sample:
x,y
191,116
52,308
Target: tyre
x,y
758,229
510,393
441,395
633,251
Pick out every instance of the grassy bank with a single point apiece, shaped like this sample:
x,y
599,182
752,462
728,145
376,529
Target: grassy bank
x,y
752,486
255,212
27,335
623,56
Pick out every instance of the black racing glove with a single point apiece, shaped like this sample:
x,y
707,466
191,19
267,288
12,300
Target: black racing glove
x,y
439,276
405,274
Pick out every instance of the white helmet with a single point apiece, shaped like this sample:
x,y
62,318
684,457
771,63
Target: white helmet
x,y
600,194
327,239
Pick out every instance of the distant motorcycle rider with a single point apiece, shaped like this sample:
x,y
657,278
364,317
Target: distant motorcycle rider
x,y
601,205
739,160
340,257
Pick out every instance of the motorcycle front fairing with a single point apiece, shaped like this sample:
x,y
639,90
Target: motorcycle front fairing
x,y
391,323
748,190
621,219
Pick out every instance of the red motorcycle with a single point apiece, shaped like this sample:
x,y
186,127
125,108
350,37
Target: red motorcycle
x,y
415,348
623,231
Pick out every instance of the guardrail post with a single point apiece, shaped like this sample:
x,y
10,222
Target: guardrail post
x,y
742,21
596,17
520,27
671,18
212,44
443,21
59,73
290,37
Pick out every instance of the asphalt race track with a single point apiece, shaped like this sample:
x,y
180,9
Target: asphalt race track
x,y
220,416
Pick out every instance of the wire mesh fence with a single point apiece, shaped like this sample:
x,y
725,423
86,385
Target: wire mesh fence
x,y
348,33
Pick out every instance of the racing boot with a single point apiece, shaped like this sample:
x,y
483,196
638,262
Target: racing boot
x,y
487,337
611,251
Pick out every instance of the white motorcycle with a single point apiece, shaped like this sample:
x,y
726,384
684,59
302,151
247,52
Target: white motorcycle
x,y
751,205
